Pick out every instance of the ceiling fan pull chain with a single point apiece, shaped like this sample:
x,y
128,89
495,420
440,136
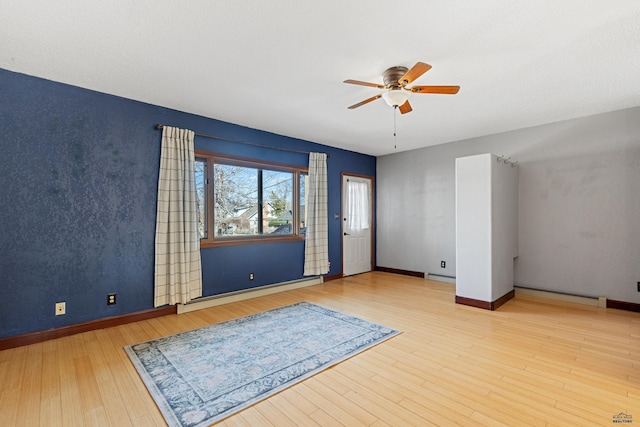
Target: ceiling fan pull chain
x,y
395,114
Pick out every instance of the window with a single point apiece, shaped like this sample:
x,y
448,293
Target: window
x,y
247,201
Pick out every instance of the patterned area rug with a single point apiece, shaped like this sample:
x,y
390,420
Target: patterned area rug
x,y
201,376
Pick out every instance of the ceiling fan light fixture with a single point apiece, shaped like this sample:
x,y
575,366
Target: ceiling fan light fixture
x,y
395,97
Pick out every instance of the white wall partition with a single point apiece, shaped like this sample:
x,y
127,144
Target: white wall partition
x,y
486,226
473,227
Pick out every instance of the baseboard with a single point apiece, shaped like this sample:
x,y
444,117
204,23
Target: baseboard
x,y
332,277
486,305
623,305
399,271
230,297
504,298
49,334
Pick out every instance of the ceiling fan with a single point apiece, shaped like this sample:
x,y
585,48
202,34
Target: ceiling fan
x,y
396,80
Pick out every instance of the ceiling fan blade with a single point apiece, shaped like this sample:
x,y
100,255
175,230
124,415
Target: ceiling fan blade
x,y
416,71
358,82
366,101
406,107
446,90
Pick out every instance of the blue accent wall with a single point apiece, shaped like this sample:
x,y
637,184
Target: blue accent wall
x,y
78,182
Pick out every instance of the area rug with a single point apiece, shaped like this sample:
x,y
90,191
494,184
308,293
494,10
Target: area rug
x,y
201,376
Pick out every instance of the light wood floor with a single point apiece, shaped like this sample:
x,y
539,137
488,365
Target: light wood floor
x,y
531,362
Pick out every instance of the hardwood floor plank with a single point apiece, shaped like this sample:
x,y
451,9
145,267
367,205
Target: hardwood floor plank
x,y
145,421
96,417
485,420
322,418
385,408
130,392
69,389
50,413
112,403
274,415
300,401
293,412
88,385
252,417
435,414
51,406
31,388
339,407
13,367
238,420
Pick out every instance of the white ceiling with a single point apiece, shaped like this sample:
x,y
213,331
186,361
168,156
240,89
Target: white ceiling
x,y
279,65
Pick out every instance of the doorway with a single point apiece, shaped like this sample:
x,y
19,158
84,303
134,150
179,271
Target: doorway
x,y
357,224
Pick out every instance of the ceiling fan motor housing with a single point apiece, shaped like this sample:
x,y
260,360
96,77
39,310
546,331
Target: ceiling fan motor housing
x,y
392,76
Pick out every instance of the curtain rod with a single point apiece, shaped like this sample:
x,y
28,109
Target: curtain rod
x,y
159,126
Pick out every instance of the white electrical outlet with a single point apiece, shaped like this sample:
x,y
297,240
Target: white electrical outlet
x,y
61,308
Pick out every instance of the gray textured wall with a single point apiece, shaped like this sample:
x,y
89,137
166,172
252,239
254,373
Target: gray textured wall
x,y
579,205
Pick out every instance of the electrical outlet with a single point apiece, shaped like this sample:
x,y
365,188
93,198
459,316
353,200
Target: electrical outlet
x,y
111,299
61,308
443,264
250,276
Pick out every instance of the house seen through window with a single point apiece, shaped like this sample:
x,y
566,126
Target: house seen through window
x,y
247,201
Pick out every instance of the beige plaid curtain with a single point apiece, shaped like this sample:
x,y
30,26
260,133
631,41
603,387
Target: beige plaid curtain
x,y
178,271
316,247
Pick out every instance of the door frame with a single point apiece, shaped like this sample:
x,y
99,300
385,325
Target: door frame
x,y
373,217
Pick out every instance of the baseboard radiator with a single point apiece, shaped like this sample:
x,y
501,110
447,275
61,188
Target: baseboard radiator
x,y
226,298
560,296
521,290
441,278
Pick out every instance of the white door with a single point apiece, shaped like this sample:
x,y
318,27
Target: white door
x,y
357,223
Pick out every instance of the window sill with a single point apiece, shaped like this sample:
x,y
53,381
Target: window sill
x,y
236,241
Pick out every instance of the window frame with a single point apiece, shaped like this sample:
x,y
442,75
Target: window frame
x,y
212,158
